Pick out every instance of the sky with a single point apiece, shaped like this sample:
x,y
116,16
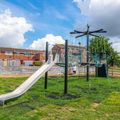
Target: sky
x,y
30,23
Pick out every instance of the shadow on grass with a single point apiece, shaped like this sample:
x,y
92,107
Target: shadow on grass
x,y
55,95
22,105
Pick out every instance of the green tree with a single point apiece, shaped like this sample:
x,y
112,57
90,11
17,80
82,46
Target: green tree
x,y
102,47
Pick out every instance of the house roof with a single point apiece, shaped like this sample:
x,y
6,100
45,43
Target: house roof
x,y
21,50
72,46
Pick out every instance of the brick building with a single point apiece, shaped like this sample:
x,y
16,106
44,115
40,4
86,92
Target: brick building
x,y
75,53
20,55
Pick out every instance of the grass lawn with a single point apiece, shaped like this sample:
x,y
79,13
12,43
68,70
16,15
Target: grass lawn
x,y
98,99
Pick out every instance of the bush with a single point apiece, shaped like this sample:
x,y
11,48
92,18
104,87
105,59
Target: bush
x,y
37,63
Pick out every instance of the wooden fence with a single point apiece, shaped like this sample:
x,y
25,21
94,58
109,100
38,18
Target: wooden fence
x,y
114,71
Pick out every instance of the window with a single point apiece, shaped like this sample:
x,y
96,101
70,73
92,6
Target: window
x,y
8,52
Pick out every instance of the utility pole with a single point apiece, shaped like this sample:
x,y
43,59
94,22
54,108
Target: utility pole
x,y
87,33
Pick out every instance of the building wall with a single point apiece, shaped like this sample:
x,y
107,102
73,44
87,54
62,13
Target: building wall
x,y
73,53
10,54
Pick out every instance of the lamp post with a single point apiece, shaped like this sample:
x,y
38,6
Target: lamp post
x,y
87,33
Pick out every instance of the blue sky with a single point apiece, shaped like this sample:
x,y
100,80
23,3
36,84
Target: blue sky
x,y
57,17
29,23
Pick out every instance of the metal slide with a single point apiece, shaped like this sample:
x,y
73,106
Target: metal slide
x,y
29,82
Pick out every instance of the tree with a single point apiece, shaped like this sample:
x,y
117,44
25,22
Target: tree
x,y
102,47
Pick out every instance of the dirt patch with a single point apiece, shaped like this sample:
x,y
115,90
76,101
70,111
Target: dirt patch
x,y
15,75
94,106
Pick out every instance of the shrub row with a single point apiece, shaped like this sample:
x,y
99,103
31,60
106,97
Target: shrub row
x,y
37,63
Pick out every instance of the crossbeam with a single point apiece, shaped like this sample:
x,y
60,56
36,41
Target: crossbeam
x,y
87,33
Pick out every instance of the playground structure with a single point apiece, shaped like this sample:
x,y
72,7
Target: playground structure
x,y
49,64
26,85
87,33
40,72
29,82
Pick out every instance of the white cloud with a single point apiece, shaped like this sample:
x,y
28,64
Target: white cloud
x,y
116,47
102,14
115,43
83,5
12,29
40,43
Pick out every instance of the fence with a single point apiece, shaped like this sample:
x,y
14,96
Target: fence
x,y
56,70
114,71
17,70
